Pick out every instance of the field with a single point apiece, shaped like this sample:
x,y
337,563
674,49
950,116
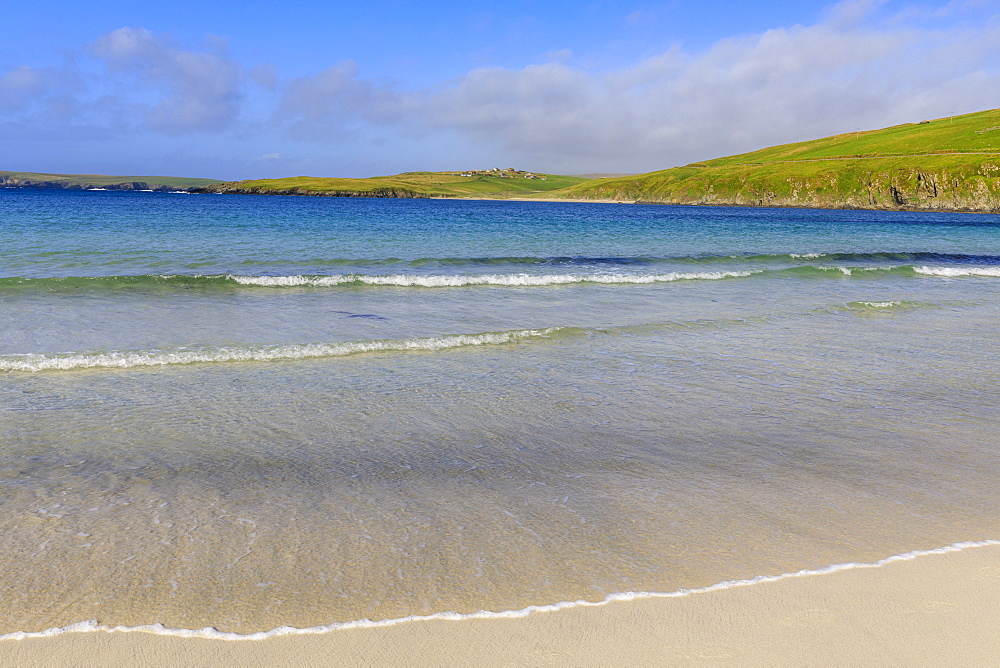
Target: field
x,y
409,184
949,163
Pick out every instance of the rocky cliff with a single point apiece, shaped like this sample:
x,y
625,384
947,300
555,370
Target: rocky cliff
x,y
237,188
14,182
938,183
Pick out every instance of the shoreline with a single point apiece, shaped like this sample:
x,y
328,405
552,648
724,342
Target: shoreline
x,y
568,200
921,607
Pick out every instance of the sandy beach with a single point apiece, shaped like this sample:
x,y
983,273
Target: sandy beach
x,y
286,416
934,609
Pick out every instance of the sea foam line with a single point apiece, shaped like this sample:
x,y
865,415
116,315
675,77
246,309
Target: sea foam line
x,y
212,633
506,280
879,304
125,360
207,281
954,272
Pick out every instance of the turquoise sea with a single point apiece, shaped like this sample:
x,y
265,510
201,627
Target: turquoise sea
x,y
248,413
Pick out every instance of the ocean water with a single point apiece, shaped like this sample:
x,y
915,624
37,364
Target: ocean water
x,y
248,413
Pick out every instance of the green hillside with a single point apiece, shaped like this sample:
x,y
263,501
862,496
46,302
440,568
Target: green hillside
x,y
477,183
946,164
84,181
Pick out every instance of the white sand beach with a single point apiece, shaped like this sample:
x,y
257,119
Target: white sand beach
x,y
935,609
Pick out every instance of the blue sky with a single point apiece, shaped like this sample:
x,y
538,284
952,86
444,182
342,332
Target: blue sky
x,y
252,89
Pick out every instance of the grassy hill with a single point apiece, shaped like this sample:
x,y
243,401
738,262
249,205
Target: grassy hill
x,y
84,181
410,184
947,164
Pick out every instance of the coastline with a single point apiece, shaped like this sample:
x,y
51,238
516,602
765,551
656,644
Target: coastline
x,y
774,204
573,200
926,608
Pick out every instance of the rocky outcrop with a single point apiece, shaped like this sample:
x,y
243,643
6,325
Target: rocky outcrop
x,y
13,182
237,189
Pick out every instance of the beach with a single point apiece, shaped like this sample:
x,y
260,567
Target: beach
x,y
258,422
931,609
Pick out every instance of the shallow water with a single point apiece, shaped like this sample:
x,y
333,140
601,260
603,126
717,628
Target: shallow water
x,y
248,412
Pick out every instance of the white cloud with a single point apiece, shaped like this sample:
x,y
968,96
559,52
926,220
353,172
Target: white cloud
x,y
779,86
331,103
850,13
21,86
199,90
847,72
860,66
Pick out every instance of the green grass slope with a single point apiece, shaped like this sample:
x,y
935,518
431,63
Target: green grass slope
x,y
944,164
84,181
409,184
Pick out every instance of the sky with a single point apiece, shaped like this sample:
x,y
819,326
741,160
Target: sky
x,y
235,90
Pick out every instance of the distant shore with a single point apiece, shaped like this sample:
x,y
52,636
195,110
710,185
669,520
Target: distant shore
x,y
586,200
572,200
934,609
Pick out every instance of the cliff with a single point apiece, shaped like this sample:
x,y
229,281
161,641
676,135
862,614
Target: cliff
x,y
927,183
86,181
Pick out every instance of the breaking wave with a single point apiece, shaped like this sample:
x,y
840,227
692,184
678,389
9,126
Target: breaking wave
x,y
954,272
457,280
204,282
129,359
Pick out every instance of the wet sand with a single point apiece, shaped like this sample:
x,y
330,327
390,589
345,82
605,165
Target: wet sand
x,y
935,609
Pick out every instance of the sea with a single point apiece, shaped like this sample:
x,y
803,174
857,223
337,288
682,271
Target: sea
x,y
247,415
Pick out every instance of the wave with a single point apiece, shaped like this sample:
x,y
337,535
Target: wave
x,y
198,281
839,271
898,270
954,272
209,632
872,307
893,257
762,258
142,281
878,305
126,359
68,361
13,284
450,262
458,280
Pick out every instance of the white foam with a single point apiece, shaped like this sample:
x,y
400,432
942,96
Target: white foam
x,y
849,271
953,272
454,281
880,304
212,633
124,360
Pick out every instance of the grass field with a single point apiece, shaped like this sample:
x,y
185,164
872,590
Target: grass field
x,y
949,163
409,184
972,133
